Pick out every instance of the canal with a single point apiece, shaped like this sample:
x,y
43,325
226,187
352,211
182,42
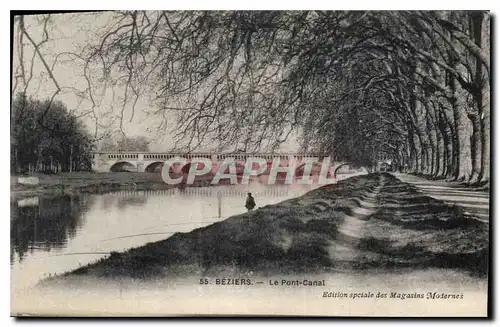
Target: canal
x,y
52,235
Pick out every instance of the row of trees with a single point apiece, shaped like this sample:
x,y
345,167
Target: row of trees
x,y
45,137
418,91
410,86
124,143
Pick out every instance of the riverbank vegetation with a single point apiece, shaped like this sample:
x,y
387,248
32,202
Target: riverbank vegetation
x,y
89,182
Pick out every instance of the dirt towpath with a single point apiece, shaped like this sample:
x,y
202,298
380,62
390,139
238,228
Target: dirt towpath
x,y
475,203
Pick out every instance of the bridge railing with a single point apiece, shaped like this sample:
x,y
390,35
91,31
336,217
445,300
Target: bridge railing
x,y
218,156
215,191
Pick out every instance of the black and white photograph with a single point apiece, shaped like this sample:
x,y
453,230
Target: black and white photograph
x,y
250,163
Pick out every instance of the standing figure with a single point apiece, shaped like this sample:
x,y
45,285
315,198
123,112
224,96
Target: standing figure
x,y
250,204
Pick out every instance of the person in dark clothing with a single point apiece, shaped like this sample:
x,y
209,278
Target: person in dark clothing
x,y
250,204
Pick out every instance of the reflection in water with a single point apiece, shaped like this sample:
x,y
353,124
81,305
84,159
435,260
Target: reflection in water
x,y
46,225
123,200
58,234
126,201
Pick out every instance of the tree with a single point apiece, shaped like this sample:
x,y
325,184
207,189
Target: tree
x,y
139,143
46,137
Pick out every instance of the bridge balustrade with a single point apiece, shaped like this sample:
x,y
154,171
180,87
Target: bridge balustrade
x,y
209,192
143,160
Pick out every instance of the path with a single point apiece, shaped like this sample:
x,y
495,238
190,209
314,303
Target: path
x,y
475,203
353,228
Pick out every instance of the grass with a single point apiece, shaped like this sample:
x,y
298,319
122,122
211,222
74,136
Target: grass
x,y
89,182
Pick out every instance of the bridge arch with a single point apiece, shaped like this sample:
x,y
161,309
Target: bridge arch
x,y
239,165
315,169
154,167
122,166
337,168
185,169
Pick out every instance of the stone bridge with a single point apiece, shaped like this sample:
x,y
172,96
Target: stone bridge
x,y
218,191
151,162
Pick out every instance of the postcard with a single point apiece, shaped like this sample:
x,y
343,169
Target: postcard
x,y
250,163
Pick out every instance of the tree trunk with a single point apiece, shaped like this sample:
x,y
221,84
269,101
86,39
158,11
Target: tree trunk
x,y
446,130
481,96
433,141
455,136
476,147
485,94
412,165
485,137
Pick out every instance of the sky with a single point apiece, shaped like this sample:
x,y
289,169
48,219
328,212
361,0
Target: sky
x,y
69,33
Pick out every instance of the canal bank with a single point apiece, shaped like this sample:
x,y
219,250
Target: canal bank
x,y
59,233
93,183
365,222
99,183
85,182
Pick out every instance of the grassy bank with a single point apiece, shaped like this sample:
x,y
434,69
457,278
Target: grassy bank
x,y
83,182
370,221
88,182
